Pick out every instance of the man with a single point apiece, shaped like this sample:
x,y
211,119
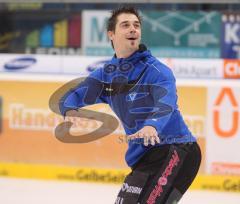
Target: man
x,y
162,153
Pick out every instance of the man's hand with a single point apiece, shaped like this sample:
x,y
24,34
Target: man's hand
x,y
148,133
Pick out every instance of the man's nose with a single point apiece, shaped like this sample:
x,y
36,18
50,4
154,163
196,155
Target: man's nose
x,y
132,29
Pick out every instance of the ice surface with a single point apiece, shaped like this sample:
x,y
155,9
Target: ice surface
x,y
23,191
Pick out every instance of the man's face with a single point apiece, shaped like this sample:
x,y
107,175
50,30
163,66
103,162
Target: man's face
x,y
127,34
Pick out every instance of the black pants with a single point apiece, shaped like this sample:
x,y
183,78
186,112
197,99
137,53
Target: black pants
x,y
162,175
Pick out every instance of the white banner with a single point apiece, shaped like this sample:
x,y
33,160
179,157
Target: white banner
x,y
196,68
83,65
51,64
223,130
30,63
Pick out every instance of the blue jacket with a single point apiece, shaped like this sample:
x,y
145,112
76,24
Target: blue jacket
x,y
141,91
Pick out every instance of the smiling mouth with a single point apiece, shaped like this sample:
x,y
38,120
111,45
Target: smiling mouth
x,y
131,38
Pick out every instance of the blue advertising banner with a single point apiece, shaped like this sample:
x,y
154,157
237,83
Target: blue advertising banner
x,y
230,39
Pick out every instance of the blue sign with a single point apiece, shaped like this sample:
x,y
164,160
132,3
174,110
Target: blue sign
x,y
20,63
230,39
96,65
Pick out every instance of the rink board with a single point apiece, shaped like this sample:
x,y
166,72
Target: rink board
x,y
202,182
211,108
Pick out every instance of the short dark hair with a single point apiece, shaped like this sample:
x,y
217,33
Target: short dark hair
x,y
112,21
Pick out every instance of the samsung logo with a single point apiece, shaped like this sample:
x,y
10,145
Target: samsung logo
x,y
20,63
96,65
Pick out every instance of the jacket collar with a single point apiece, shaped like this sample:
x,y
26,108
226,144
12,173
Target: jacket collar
x,y
141,53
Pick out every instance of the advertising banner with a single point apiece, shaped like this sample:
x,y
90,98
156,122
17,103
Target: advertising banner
x,y
223,130
50,64
28,127
196,68
166,34
232,68
192,101
211,110
15,63
83,65
28,130
230,39
94,39
41,32
182,34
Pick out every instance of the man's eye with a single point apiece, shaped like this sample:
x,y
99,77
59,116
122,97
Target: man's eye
x,y
125,25
137,25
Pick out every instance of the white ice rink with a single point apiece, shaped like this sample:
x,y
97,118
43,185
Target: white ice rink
x,y
21,191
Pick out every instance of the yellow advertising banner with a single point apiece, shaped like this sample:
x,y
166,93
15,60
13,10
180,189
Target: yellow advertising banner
x,y
27,130
28,127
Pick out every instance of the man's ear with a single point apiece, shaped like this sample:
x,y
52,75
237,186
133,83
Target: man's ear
x,y
110,35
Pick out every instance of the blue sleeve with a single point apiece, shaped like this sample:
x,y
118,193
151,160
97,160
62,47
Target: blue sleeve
x,y
164,95
86,93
